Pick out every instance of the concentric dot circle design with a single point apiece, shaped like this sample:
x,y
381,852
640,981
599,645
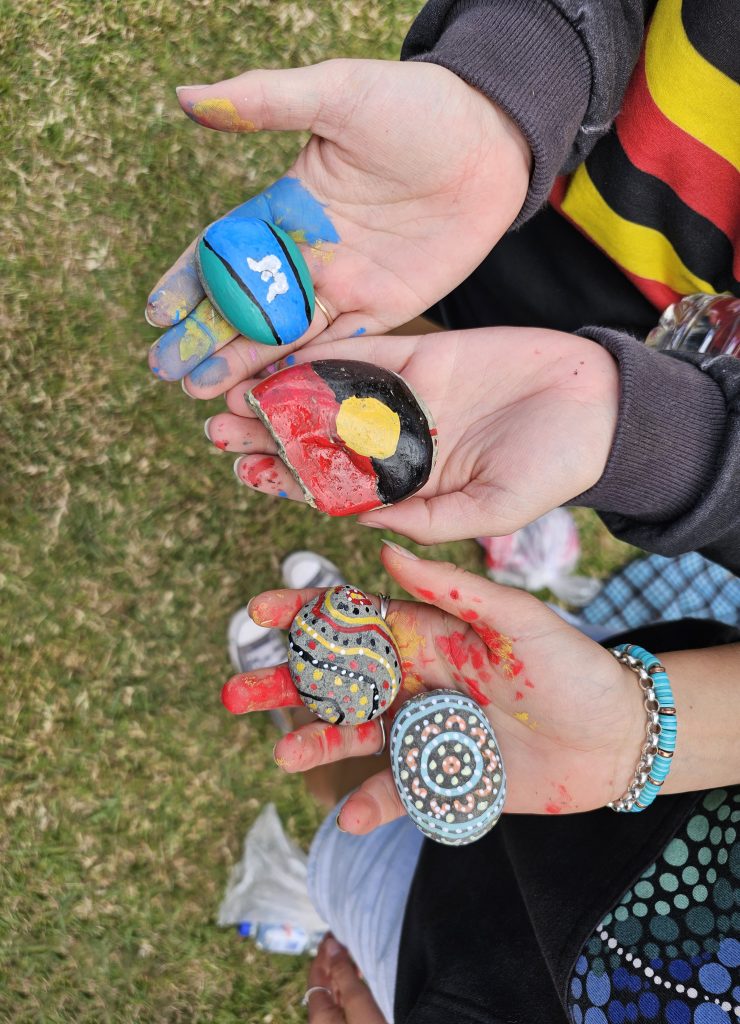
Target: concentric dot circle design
x,y
669,953
447,767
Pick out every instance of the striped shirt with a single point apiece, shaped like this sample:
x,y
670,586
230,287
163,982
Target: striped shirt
x,y
660,193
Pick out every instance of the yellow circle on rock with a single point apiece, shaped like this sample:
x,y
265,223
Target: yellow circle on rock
x,y
368,427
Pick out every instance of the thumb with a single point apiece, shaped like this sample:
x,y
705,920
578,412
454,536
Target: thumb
x,y
290,99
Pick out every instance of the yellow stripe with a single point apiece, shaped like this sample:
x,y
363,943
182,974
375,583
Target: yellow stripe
x,y
690,91
640,250
366,651
354,620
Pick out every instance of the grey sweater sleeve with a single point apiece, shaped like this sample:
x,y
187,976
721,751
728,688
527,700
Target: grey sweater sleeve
x,y
672,479
559,68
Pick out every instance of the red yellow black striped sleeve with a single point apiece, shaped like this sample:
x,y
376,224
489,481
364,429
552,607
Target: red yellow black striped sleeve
x,y
672,479
559,68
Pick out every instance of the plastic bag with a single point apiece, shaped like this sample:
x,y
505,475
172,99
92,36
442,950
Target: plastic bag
x,y
269,886
542,554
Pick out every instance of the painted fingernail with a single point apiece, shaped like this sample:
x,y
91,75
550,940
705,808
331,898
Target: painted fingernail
x,y
333,948
399,550
184,388
339,826
205,428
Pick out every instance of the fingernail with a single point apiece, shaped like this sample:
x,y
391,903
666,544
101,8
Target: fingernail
x,y
399,550
339,826
236,470
184,388
205,427
373,526
333,948
148,320
179,88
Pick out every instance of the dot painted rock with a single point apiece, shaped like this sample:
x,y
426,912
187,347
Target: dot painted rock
x,y
354,435
343,658
256,277
447,767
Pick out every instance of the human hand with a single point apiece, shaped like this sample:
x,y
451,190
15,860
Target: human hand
x,y
349,1000
409,179
525,421
567,717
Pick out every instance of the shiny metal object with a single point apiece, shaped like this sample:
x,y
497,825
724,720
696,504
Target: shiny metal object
x,y
315,988
324,310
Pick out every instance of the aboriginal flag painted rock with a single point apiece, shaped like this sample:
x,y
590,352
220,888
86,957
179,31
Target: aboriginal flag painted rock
x,y
256,277
447,767
353,434
343,658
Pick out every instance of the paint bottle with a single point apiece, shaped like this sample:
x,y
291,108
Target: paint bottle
x,y
280,938
700,323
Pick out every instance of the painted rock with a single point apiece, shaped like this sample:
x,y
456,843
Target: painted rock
x,y
256,277
354,435
447,767
343,658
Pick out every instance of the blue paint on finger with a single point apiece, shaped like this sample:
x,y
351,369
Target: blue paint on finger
x,y
359,332
210,373
297,211
178,351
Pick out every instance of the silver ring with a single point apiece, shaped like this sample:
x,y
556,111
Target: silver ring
x,y
316,988
382,745
385,603
324,310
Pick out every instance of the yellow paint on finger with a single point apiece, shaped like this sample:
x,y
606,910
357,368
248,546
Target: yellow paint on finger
x,y
194,342
523,716
369,427
222,115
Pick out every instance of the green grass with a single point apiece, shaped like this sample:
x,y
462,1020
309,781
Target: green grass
x,y
126,543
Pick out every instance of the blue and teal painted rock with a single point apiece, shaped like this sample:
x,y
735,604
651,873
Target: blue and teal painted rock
x,y
447,767
256,277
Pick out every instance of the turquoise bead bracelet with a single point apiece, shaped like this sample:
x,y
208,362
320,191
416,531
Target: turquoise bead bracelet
x,y
657,752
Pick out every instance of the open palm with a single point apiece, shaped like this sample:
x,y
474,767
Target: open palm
x,y
525,420
409,179
567,716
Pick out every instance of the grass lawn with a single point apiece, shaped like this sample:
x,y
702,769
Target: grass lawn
x,y
125,541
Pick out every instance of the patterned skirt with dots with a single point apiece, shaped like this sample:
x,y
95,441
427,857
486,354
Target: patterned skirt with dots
x,y
669,953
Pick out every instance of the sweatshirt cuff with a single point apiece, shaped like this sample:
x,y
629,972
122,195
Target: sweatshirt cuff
x,y
671,423
531,62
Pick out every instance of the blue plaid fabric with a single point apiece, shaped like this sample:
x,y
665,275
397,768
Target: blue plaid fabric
x,y
657,589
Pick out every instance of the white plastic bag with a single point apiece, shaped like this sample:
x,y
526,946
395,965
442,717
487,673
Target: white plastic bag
x,y
269,884
542,554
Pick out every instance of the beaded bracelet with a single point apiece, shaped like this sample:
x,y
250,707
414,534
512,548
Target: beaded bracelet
x,y
655,761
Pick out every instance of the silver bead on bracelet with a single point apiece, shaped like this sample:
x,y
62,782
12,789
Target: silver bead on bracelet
x,y
650,748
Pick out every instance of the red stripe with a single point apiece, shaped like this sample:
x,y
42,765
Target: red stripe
x,y
698,175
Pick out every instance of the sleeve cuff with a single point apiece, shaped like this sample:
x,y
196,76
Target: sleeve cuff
x,y
670,427
529,61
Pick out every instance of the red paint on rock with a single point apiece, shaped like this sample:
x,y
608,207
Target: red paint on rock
x,y
302,410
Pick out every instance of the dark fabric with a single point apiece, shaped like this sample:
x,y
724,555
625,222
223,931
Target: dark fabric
x,y
492,931
559,69
672,481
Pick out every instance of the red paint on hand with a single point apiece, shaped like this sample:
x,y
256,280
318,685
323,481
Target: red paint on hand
x,y
455,594
260,691
428,595
475,691
454,648
552,809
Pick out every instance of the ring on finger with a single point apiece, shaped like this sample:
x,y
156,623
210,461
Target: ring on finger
x,y
324,310
381,723
311,991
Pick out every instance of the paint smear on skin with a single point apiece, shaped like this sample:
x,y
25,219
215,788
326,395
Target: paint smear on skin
x,y
501,650
220,114
552,809
454,648
279,607
289,361
260,693
210,373
475,692
523,716
178,293
518,695
319,253
428,595
260,474
282,494
455,595
179,350
411,646
359,332
294,208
